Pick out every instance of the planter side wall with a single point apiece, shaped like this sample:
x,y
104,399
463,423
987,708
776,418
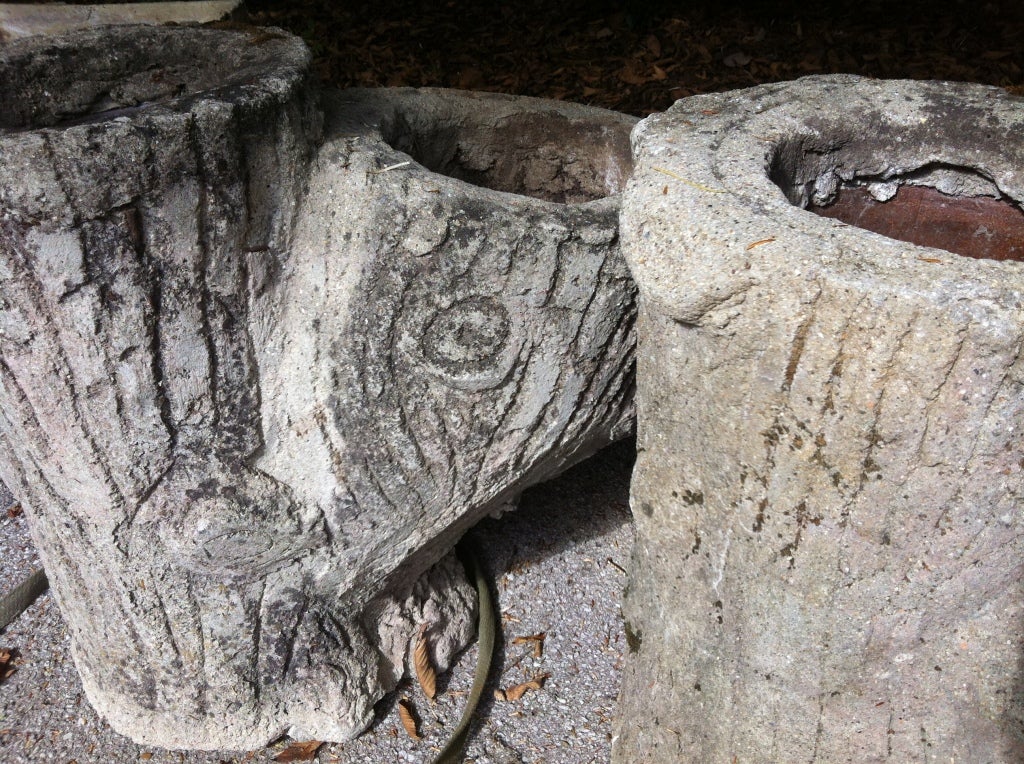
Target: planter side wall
x,y
255,383
828,487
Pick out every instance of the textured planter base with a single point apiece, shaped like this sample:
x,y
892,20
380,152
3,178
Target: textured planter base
x,y
829,482
261,370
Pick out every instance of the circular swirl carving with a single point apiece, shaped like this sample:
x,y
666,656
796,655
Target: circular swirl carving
x,y
468,341
468,336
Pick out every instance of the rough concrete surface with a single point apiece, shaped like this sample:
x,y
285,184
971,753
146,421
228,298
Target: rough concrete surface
x,y
554,564
830,475
264,362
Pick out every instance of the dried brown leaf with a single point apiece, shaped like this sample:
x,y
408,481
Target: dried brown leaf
x,y
425,673
407,715
300,751
633,73
515,692
537,640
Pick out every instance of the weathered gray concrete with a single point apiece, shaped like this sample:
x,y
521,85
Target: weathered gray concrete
x,y
261,369
553,562
830,471
28,19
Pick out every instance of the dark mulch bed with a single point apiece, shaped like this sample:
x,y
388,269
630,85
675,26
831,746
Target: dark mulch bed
x,y
640,57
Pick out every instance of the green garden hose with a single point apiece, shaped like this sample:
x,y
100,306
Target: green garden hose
x,y
453,750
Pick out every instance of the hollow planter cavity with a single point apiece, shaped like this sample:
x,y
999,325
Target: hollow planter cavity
x,y
828,485
261,370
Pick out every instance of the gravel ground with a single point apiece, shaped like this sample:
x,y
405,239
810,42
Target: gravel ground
x,y
556,564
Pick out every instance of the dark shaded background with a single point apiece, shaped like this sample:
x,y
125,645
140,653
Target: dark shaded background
x,y
639,57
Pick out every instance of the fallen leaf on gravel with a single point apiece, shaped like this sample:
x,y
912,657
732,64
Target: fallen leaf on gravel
x,y
407,714
515,692
536,639
300,751
425,673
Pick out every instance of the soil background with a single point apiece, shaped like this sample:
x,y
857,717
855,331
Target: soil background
x,y
640,57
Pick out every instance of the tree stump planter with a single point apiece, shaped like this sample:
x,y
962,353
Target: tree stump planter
x,y
829,480
260,370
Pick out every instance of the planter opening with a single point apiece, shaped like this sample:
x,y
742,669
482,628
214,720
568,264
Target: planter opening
x,y
950,208
541,154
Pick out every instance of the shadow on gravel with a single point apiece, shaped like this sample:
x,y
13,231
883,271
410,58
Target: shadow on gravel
x,y
587,501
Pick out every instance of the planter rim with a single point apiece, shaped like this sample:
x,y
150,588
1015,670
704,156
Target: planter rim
x,y
380,104
702,196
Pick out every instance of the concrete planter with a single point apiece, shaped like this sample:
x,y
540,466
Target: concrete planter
x,y
829,484
260,369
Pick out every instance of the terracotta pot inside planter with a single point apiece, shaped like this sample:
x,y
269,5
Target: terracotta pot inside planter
x,y
973,226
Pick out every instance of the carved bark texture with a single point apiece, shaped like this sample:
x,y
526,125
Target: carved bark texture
x,y
254,385
829,484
